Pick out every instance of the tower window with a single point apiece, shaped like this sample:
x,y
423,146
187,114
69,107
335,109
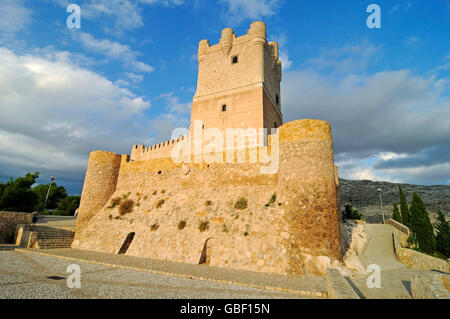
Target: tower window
x,y
234,60
275,124
224,108
277,99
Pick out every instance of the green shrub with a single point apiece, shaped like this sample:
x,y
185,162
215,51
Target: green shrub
x,y
351,213
241,203
68,206
126,207
154,193
208,203
246,234
154,227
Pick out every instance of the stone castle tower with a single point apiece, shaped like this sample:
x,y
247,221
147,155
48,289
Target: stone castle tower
x,y
239,81
223,214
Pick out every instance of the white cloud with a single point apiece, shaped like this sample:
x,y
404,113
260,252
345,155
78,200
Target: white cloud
x,y
54,113
14,16
239,10
126,15
114,50
382,117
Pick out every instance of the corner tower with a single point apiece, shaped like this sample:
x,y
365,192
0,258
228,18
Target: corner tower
x,y
239,81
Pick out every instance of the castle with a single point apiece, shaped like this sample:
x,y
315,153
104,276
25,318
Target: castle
x,y
221,212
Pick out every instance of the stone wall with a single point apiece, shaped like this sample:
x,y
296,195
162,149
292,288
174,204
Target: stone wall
x,y
418,260
183,210
99,184
404,229
8,223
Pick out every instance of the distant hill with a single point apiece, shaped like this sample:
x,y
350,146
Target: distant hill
x,y
363,195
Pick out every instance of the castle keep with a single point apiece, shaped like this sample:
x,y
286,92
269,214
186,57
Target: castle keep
x,y
222,213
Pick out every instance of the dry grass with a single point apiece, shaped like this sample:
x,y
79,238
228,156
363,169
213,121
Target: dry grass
x,y
160,203
114,202
241,203
126,207
203,225
181,224
154,227
208,203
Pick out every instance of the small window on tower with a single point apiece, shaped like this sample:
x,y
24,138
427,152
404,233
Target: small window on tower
x,y
235,59
224,108
277,99
275,124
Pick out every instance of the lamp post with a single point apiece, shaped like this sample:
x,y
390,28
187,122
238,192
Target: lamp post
x,y
381,203
52,178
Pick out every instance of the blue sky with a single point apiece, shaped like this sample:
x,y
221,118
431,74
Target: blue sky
x,y
128,75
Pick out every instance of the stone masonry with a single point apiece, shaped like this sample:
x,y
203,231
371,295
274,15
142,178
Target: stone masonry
x,y
222,214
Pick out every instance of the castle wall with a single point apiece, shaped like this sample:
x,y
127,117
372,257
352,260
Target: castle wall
x,y
244,109
99,184
265,236
307,175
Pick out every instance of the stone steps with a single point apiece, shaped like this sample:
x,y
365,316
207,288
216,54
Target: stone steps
x,y
50,238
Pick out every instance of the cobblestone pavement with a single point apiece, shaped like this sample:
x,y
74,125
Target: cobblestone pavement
x,y
25,275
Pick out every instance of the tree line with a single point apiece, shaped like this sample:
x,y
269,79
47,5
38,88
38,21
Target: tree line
x,y
23,195
417,218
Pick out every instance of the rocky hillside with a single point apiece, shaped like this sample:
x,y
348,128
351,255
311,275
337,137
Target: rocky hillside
x,y
363,195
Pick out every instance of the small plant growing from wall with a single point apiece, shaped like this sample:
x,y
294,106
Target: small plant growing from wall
x,y
273,198
181,224
154,227
126,207
246,234
160,203
225,229
241,203
163,191
203,225
208,203
154,192
115,202
110,217
145,197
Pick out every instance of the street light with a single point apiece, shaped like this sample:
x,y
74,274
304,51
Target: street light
x,y
52,178
381,202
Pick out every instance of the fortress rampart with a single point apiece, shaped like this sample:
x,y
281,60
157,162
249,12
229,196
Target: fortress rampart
x,y
269,206
291,217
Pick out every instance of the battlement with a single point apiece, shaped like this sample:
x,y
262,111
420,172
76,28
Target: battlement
x,y
161,150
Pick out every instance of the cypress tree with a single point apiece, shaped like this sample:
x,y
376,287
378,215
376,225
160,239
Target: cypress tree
x,y
443,235
396,214
421,225
404,208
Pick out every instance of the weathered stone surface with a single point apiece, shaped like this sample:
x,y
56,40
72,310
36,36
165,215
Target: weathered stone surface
x,y
8,223
338,287
428,286
418,260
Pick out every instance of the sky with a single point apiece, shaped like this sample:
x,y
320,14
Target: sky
x,y
128,74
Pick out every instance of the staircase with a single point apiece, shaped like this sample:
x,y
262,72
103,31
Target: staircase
x,y
51,237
